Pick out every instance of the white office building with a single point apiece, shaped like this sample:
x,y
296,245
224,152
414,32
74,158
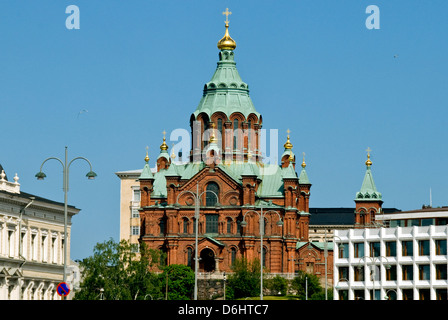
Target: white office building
x,y
398,263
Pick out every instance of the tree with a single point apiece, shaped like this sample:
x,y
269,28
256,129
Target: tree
x,y
117,272
277,285
245,279
303,280
179,282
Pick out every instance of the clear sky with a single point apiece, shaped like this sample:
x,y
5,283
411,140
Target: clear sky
x,y
138,67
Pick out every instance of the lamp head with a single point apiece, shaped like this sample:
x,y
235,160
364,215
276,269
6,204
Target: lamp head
x,y
243,224
280,223
40,175
91,175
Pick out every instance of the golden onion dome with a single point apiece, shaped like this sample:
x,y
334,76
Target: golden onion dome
x,y
288,144
147,157
164,146
368,162
226,43
303,162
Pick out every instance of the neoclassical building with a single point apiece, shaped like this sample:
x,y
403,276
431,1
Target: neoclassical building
x,y
31,243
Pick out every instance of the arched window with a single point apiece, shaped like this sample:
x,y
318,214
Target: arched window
x,y
162,226
185,225
189,256
211,197
249,135
229,226
235,134
220,132
232,256
264,257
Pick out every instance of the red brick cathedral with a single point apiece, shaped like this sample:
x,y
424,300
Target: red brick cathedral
x,y
232,189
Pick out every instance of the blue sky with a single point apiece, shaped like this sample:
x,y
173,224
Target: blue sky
x,y
139,67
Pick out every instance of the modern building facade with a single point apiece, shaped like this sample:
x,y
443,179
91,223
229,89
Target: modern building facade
x,y
31,243
399,263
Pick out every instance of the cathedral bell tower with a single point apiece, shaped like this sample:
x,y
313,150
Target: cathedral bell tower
x,y
368,200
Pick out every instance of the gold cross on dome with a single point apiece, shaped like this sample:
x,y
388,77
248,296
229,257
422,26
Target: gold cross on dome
x,y
288,131
164,133
227,13
368,151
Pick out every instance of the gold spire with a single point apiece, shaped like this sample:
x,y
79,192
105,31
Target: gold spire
x,y
288,144
212,135
303,162
173,156
164,146
227,43
368,162
147,157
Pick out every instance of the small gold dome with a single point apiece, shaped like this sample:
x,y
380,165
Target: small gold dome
x,y
303,162
368,162
226,43
147,157
164,146
288,144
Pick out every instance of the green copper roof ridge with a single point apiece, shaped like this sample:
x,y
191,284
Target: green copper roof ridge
x,y
146,173
303,178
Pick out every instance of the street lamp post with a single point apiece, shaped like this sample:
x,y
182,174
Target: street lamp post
x,y
65,172
197,199
261,216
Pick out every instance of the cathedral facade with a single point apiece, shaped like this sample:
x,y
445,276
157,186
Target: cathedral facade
x,y
225,202
227,185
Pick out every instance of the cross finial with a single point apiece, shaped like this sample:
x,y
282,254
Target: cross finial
x,y
227,13
288,131
368,150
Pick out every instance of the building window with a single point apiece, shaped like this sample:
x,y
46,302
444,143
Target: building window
x,y
211,223
229,226
343,250
397,223
424,294
11,243
44,249
391,273
211,197
185,223
408,272
441,273
442,221
428,222
407,248
391,249
220,132
343,294
135,213
235,134
441,294
441,247
359,273
135,230
162,226
343,273
359,249
264,256
189,256
136,195
359,294
423,247
424,272
232,256
413,222
408,294
374,249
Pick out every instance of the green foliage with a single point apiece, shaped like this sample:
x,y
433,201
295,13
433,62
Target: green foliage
x,y
245,279
179,282
315,290
116,272
277,285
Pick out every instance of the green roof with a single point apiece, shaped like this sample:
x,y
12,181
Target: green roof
x,y
226,92
368,190
146,172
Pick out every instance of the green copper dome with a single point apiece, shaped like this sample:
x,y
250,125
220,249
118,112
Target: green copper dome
x,y
226,92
